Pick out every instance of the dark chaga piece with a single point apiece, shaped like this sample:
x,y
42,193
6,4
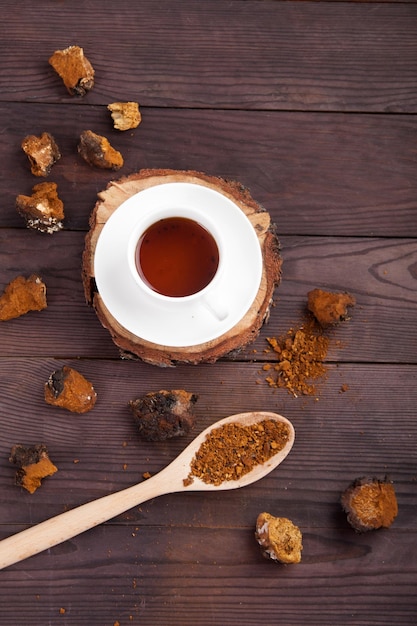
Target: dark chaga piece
x,y
280,539
21,296
75,70
328,307
42,153
33,465
70,390
164,414
125,115
43,210
370,504
97,151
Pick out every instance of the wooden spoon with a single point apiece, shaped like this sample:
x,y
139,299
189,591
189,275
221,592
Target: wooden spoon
x,y
170,480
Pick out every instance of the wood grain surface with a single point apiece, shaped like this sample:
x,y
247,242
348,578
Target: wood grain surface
x,y
312,107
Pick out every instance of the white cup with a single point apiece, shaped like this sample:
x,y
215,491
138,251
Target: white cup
x,y
211,296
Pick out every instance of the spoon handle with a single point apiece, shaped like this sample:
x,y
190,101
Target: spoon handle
x,y
71,523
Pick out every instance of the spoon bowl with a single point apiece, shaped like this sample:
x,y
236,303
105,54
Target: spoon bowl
x,y
256,473
172,479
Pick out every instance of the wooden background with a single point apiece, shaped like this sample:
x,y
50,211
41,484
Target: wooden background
x,y
312,106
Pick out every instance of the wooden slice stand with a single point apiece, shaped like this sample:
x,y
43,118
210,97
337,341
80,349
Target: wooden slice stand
x,y
132,346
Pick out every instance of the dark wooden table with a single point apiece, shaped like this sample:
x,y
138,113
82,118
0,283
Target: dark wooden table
x,y
312,106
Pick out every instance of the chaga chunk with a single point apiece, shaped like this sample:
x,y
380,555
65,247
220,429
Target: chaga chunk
x,y
33,464
42,153
279,538
125,115
74,69
97,151
68,389
329,308
43,210
370,504
21,296
164,414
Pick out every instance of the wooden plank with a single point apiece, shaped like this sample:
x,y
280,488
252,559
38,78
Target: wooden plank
x,y
155,576
303,56
317,174
367,430
380,273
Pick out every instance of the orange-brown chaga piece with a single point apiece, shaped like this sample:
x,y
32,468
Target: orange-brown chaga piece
x,y
33,464
329,308
164,414
42,153
125,115
43,210
75,70
22,295
96,150
68,389
279,538
370,503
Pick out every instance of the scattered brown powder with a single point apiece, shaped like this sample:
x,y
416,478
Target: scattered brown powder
x,y
233,450
300,353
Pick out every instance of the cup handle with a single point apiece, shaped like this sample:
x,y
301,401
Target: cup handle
x,y
215,306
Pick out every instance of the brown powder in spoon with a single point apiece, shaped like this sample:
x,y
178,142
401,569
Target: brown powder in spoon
x,y
233,450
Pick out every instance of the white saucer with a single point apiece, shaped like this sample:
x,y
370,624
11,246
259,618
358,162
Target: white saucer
x,y
188,323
